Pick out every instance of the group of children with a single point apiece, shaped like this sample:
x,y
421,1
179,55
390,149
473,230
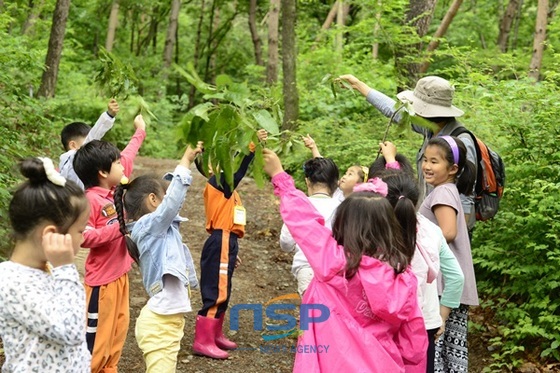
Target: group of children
x,y
391,263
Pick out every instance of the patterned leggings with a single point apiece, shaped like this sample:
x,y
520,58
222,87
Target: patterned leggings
x,y
452,353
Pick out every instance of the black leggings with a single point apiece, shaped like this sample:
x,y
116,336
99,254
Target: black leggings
x,y
431,350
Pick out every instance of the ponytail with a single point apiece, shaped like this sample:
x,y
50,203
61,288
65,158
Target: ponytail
x,y
403,194
119,206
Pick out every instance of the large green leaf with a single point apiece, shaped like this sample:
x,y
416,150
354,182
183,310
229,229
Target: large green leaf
x,y
266,121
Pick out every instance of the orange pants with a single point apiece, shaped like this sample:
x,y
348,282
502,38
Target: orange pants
x,y
107,335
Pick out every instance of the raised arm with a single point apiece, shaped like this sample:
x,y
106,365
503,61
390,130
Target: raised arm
x,y
104,123
306,225
129,153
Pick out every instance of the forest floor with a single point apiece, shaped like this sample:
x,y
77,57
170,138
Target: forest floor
x,y
263,275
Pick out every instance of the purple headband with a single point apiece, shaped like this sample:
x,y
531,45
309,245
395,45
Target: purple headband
x,y
454,148
375,185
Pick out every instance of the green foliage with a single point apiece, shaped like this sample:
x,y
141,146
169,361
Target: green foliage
x,y
227,124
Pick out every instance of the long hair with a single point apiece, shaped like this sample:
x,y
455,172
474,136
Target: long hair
x,y
132,199
365,224
37,200
322,171
466,173
403,194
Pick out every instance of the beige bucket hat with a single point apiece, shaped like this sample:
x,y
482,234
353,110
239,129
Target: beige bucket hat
x,y
432,98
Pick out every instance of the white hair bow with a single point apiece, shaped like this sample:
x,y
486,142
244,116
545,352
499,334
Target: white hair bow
x,y
52,174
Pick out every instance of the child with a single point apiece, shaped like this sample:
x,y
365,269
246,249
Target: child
x,y
165,261
225,221
432,256
362,275
354,174
321,176
75,135
101,167
42,306
443,160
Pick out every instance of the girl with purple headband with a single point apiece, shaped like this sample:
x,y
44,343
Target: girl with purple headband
x,y
446,168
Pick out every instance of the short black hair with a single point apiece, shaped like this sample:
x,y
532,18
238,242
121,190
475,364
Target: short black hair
x,y
95,156
322,171
73,131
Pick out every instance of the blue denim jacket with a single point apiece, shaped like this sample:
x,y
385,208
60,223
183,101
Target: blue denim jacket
x,y
159,241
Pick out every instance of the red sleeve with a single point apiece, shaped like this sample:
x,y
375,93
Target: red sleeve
x,y
94,237
129,153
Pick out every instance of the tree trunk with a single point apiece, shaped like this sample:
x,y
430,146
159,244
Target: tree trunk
x,y
254,32
56,40
34,12
419,15
112,27
376,28
272,64
442,29
171,34
289,56
516,26
196,56
340,23
538,41
506,23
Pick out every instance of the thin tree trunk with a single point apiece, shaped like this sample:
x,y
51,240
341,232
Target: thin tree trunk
x,y
178,81
516,27
289,56
340,23
254,32
112,27
170,38
56,41
419,15
440,32
506,23
272,64
34,12
538,42
376,28
196,56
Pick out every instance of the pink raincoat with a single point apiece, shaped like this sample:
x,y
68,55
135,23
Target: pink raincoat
x,y
375,323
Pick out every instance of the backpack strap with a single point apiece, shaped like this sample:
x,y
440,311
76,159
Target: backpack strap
x,y
479,169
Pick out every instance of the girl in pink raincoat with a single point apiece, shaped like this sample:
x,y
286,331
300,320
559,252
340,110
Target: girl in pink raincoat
x,y
363,277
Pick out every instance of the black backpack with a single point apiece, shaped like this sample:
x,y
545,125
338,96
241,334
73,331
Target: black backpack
x,y
490,177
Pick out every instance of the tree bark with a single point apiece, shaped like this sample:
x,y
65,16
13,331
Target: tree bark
x,y
254,32
340,23
376,27
440,32
506,23
112,27
538,41
272,64
34,12
56,41
196,56
419,16
170,38
289,56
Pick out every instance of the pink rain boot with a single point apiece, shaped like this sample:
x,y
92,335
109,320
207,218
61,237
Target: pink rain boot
x,y
221,340
205,336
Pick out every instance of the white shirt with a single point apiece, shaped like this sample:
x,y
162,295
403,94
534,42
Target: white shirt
x,y
326,206
43,319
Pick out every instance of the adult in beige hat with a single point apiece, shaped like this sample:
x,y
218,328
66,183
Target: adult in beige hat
x,y
432,99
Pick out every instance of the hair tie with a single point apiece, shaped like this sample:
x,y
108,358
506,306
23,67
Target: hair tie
x,y
52,174
365,171
124,180
401,196
375,185
454,148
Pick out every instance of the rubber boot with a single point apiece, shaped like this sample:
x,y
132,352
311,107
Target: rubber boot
x,y
221,340
204,338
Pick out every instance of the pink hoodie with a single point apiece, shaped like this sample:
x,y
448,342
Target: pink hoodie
x,y
375,323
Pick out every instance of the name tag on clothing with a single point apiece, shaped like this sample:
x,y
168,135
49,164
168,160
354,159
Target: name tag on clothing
x,y
239,215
